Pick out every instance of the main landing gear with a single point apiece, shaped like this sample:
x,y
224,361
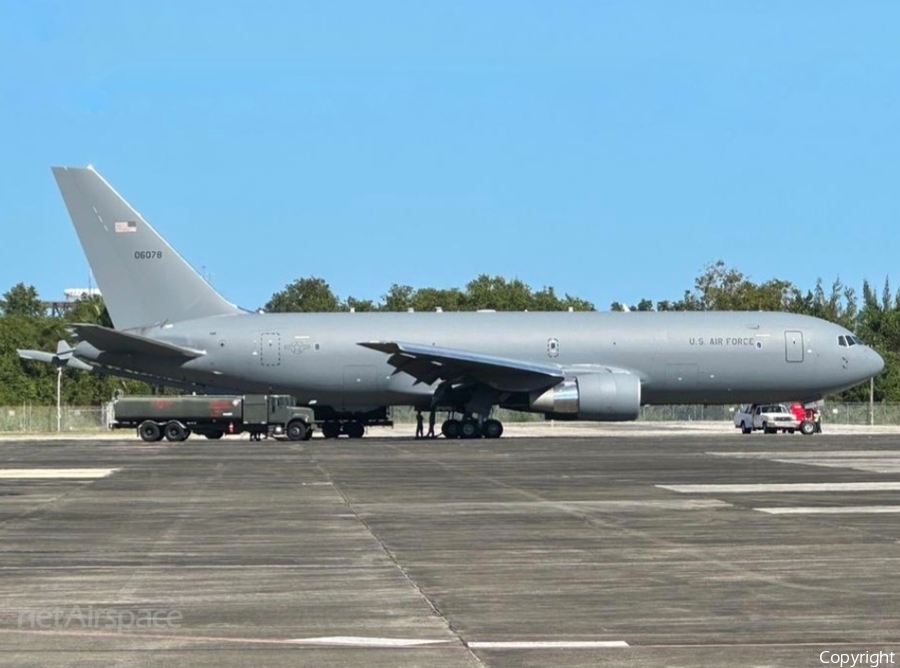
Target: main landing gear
x,y
471,428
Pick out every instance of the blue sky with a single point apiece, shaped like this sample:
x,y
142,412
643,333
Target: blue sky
x,y
609,149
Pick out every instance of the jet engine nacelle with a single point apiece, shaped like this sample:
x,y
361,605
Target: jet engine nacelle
x,y
593,396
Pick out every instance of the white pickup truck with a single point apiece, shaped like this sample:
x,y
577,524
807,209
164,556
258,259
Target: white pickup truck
x,y
770,419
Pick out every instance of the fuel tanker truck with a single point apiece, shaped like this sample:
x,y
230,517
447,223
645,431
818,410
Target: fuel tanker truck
x,y
176,418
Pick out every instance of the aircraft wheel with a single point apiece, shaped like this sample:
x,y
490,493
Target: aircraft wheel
x,y
492,429
450,428
469,429
331,429
175,431
355,429
807,427
296,430
150,431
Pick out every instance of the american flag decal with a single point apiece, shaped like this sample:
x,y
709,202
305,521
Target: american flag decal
x,y
125,226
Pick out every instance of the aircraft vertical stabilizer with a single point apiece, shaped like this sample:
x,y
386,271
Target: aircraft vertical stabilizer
x,y
144,281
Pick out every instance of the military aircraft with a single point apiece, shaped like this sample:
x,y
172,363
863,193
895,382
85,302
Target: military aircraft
x,y
173,328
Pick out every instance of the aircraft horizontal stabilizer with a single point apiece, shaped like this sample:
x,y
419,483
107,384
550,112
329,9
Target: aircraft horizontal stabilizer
x,y
428,364
62,358
124,343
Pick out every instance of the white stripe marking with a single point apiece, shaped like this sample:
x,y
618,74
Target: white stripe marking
x,y
809,455
512,507
870,461
830,510
785,487
549,644
361,641
54,474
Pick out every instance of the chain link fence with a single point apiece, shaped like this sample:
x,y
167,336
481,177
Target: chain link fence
x,y
43,419
834,413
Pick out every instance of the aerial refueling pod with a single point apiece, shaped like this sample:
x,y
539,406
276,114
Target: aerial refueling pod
x,y
592,396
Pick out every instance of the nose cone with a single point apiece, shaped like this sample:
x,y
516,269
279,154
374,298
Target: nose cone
x,y
873,363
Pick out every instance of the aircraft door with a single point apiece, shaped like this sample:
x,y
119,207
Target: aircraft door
x,y
270,349
793,346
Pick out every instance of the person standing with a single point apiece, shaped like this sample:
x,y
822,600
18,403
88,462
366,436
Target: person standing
x,y
431,424
420,431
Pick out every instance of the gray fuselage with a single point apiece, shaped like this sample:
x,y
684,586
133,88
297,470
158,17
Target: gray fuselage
x,y
680,357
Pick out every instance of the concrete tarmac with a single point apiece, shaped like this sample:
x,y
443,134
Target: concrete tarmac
x,y
664,550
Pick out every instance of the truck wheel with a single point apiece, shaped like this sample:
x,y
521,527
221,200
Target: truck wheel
x,y
745,429
175,431
331,429
807,427
355,429
297,430
766,429
150,431
214,435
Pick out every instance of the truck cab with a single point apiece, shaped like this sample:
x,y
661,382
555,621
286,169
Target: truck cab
x,y
288,419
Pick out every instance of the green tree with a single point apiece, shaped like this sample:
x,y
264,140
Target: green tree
x,y
495,292
547,300
838,307
22,300
432,299
643,305
359,305
306,295
89,309
721,288
878,324
398,298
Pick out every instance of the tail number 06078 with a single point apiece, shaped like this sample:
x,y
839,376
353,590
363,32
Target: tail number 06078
x,y
148,255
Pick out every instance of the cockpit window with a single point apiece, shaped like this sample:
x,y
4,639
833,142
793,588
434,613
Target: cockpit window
x,y
849,340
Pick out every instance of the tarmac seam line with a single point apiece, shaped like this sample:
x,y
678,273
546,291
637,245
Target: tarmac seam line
x,y
393,559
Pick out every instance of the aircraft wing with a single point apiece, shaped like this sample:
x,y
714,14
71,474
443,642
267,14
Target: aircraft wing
x,y
124,343
428,364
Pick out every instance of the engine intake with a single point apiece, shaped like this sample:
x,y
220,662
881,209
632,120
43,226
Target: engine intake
x,y
608,397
